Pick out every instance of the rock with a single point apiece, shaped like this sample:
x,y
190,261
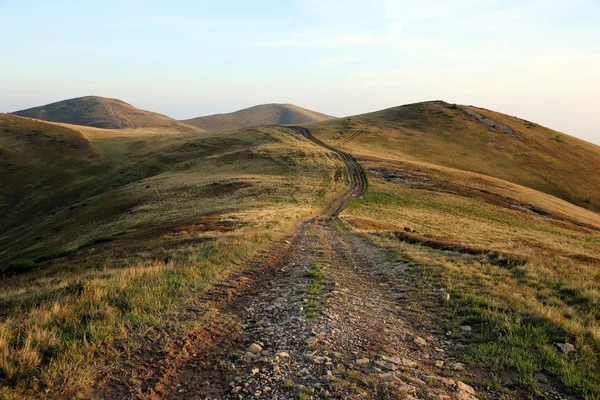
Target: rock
x,y
408,363
236,389
445,296
283,354
566,348
394,360
255,371
457,366
420,341
407,388
388,377
441,379
312,341
255,348
362,361
463,386
439,364
465,392
466,328
390,366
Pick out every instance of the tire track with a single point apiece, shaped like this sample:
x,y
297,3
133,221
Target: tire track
x,y
353,135
356,175
118,120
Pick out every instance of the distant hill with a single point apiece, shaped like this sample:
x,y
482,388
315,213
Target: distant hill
x,y
265,114
478,140
101,112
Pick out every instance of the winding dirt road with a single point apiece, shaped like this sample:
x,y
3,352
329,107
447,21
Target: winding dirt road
x,y
323,315
356,175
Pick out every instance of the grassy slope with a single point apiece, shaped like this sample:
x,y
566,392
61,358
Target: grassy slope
x,y
168,214
95,111
265,114
522,268
522,265
42,166
443,134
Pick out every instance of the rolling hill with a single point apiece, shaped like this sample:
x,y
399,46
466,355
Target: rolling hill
x,y
101,112
477,140
265,114
121,240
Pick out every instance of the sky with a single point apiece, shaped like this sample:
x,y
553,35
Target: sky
x,y
535,59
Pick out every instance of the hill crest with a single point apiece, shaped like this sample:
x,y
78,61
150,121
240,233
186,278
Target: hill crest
x,y
102,112
262,114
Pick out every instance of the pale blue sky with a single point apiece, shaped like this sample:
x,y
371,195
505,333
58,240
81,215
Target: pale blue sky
x,y
537,59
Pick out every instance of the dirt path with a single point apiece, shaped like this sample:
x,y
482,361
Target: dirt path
x,y
328,316
353,135
118,120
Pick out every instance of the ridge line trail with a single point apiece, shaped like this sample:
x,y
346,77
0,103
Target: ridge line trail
x,y
330,316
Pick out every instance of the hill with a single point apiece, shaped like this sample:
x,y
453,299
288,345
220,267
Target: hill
x,y
425,240
478,140
265,114
101,112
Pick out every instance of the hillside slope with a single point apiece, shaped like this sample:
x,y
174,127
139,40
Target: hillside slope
x,y
476,140
101,112
264,114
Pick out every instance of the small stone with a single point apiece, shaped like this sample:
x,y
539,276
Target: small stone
x,y
464,387
389,377
312,341
441,379
255,371
457,366
390,366
255,348
439,364
420,341
445,296
182,390
408,363
362,361
407,388
566,348
466,328
395,359
236,389
283,354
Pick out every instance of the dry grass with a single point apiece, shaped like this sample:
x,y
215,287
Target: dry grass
x,y
442,134
264,114
94,111
523,279
130,257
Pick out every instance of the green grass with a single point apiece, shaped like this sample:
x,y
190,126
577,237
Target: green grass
x,y
313,289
